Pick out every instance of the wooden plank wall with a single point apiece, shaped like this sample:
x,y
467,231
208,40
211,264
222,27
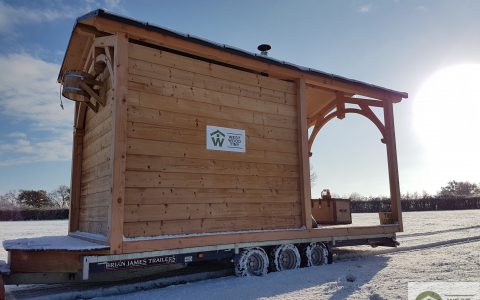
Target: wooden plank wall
x,y
173,184
96,169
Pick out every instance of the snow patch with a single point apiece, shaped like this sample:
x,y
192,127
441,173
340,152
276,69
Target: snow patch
x,y
43,243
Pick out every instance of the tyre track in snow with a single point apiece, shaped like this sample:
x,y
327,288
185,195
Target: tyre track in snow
x,y
437,232
346,255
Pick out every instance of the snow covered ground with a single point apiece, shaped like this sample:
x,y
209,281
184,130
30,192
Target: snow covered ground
x,y
436,246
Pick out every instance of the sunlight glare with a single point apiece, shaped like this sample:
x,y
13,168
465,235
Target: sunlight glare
x,y
447,119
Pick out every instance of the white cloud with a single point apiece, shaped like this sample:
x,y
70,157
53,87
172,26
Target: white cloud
x,y
365,8
12,15
20,135
30,95
30,92
23,151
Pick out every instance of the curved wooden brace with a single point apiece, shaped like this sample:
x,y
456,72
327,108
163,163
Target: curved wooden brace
x,y
364,111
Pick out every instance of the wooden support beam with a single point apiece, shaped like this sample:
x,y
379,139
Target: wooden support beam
x,y
119,155
304,154
392,164
313,119
340,105
249,237
76,180
363,101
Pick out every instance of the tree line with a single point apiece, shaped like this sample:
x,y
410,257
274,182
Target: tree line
x,y
455,195
36,199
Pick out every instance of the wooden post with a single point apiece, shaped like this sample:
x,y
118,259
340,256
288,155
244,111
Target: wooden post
x,y
119,155
77,157
304,156
392,164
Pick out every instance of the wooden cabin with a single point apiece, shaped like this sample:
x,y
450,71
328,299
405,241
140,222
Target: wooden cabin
x,y
182,143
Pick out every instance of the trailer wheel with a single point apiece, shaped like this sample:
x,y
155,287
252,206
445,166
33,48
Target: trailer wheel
x,y
285,257
251,262
316,254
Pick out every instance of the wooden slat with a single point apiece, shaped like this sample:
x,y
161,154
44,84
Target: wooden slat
x,y
185,180
172,149
165,58
207,166
165,88
194,79
98,227
209,110
94,214
96,199
187,212
97,158
208,225
177,120
95,172
100,129
98,185
197,136
100,143
143,196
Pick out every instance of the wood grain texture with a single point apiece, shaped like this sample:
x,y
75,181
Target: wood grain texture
x,y
304,157
172,178
119,138
96,170
164,58
145,196
178,120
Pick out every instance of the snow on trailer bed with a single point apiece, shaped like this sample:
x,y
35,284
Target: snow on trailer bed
x,y
45,243
436,246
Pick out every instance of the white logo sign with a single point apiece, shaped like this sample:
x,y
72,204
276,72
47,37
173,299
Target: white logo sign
x,y
225,139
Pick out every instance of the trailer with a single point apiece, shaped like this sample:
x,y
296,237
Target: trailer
x,y
187,150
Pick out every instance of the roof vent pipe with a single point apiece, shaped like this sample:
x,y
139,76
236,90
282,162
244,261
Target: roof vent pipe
x,y
264,49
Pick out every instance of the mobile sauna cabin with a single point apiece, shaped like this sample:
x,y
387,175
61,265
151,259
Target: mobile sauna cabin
x,y
184,150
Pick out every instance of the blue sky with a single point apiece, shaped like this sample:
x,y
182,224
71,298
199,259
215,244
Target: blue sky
x,y
396,44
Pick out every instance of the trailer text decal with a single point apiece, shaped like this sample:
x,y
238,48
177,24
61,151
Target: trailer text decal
x,y
225,139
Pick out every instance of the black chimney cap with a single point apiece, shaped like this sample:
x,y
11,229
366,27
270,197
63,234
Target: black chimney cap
x,y
264,47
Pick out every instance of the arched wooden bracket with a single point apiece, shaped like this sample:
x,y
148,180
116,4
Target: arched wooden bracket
x,y
100,58
364,111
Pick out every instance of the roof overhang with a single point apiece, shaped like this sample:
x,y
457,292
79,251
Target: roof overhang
x,y
101,23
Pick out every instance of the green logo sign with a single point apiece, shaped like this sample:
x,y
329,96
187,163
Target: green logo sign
x,y
217,138
428,295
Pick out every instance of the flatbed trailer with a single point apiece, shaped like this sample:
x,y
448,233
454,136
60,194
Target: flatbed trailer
x,y
187,150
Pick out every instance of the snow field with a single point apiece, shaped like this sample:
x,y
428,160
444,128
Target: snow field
x,y
436,246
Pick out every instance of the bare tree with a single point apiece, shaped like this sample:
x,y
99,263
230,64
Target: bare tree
x,y
61,196
9,199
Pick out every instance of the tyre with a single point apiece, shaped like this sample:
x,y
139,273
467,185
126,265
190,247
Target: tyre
x,y
251,262
315,254
284,257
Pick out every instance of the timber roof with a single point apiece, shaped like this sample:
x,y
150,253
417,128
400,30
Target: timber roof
x,y
100,13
